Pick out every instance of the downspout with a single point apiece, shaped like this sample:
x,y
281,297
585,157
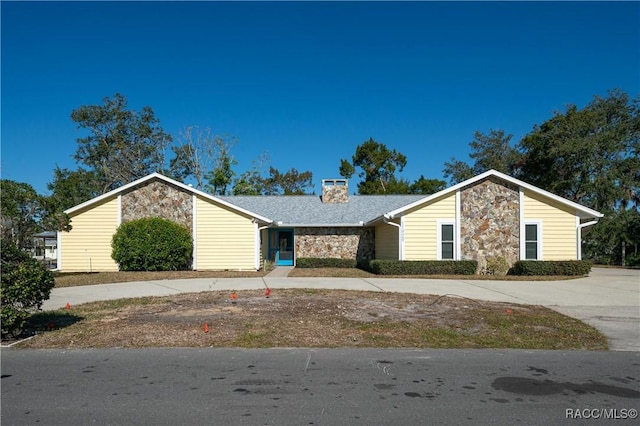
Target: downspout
x,y
257,248
580,226
387,220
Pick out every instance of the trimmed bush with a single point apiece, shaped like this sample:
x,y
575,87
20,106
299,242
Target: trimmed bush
x,y
551,267
496,266
327,262
422,267
26,283
152,244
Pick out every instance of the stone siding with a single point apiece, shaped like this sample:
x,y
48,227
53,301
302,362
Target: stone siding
x,y
158,199
341,243
490,222
335,191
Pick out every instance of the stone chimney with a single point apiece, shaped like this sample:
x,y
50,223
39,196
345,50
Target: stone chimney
x,y
335,191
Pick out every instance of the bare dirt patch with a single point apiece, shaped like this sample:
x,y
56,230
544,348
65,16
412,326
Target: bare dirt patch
x,y
310,318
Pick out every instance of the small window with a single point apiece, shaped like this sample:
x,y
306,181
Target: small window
x,y
531,241
446,241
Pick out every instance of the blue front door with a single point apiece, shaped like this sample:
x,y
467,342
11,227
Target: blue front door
x,y
284,249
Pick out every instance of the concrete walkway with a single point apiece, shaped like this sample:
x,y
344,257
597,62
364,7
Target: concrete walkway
x,y
609,299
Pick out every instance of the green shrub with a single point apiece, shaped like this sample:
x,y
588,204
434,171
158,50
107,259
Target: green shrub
x,y
25,285
496,266
551,267
152,244
327,262
633,260
422,267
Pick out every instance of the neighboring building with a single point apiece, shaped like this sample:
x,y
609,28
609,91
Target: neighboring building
x,y
45,248
482,217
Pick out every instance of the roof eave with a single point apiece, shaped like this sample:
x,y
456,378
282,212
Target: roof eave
x,y
319,225
181,185
587,212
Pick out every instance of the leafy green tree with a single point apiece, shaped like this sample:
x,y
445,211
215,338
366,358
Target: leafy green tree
x,y
492,151
377,164
427,186
590,155
615,239
222,174
70,188
392,186
251,181
25,284
21,211
206,158
121,145
291,182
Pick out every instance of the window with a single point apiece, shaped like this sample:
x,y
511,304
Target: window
x,y
531,241
446,241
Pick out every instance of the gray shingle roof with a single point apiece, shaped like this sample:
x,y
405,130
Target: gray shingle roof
x,y
309,209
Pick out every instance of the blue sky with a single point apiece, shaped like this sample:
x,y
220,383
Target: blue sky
x,y
308,82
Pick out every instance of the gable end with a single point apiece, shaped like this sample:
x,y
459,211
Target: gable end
x,y
156,198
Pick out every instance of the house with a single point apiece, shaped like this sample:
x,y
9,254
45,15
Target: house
x,y
45,247
489,215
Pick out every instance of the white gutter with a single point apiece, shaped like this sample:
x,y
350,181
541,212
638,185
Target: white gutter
x,y
579,236
320,225
387,220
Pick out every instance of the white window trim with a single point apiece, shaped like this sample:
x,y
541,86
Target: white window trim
x,y
439,223
523,244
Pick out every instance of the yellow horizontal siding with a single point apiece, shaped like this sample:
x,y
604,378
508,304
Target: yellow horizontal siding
x,y
420,227
225,239
559,235
87,247
387,241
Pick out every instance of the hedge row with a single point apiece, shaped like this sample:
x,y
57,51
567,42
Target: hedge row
x,y
448,267
313,262
422,267
551,267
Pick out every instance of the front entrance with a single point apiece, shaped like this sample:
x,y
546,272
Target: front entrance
x,y
281,246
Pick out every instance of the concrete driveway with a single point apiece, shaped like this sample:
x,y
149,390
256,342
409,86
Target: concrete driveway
x,y
609,299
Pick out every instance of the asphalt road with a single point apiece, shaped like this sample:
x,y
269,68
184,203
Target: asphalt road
x,y
318,387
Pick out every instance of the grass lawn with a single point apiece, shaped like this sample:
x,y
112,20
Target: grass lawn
x,y
73,279
87,278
